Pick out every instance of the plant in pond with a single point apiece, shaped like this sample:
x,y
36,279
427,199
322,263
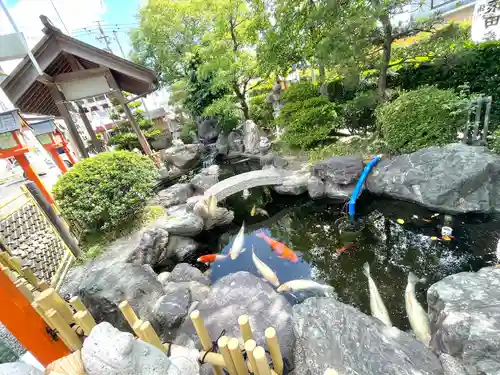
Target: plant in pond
x,y
226,112
420,118
104,192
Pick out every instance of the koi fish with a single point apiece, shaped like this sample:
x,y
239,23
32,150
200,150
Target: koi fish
x,y
279,248
298,285
265,270
210,258
416,314
258,211
238,243
345,248
212,205
377,306
246,194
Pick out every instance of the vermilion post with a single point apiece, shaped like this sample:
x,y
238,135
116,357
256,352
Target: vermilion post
x,y
31,175
57,159
27,326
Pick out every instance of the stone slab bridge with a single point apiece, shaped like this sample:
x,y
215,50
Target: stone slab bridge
x,y
248,180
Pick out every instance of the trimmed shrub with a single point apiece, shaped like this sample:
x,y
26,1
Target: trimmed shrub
x,y
420,118
226,112
261,111
299,92
105,191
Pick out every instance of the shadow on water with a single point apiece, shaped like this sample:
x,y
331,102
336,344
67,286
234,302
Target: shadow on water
x,y
392,249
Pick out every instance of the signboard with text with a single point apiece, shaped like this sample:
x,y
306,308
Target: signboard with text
x,y
486,21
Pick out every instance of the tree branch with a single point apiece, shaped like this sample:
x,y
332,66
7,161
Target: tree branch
x,y
232,28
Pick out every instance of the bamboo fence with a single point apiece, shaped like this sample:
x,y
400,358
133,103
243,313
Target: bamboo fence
x,y
72,322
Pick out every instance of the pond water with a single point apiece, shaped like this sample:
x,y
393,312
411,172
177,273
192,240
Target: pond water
x,y
392,249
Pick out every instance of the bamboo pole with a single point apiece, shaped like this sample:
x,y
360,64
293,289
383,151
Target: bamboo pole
x,y
274,350
204,336
239,363
77,304
7,272
246,330
331,372
30,276
128,313
250,346
84,320
150,335
259,355
42,285
230,367
16,262
6,260
40,312
22,285
204,356
64,331
136,328
49,299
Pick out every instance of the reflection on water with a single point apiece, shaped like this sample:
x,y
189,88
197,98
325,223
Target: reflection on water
x,y
310,229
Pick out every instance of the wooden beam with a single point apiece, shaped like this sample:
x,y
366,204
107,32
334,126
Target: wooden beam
x,y
45,78
117,93
80,75
95,142
73,62
63,110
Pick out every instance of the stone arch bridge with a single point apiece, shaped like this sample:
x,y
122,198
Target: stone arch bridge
x,y
248,180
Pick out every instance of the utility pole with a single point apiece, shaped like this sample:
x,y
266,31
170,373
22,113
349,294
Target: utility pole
x,y
115,33
104,38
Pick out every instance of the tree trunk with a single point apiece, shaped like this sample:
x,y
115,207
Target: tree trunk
x,y
386,57
243,102
322,73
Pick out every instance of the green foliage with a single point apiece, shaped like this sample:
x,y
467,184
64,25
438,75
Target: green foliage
x,y
187,132
475,66
358,114
360,147
263,88
125,141
105,191
421,118
308,122
300,92
261,111
226,113
494,144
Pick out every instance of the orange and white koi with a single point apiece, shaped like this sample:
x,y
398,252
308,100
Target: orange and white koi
x,y
210,258
279,248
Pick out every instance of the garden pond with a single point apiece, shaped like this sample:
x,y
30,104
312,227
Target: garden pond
x,y
397,237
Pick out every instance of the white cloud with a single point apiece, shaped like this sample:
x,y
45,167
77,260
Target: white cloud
x,y
26,13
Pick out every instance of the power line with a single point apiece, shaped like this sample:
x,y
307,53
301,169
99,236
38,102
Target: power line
x,y
59,16
104,38
118,42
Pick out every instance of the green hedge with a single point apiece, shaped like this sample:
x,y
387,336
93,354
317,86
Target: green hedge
x,y
261,111
420,118
478,66
106,191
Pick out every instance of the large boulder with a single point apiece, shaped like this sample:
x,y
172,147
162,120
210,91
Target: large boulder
x,y
175,194
222,144
341,170
237,294
185,272
170,310
464,310
235,142
103,290
18,368
315,187
205,179
183,156
179,248
274,161
206,130
251,137
107,351
456,178
330,334
152,246
188,224
294,183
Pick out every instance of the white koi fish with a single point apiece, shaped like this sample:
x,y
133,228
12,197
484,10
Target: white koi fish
x,y
265,270
238,243
416,314
298,285
377,306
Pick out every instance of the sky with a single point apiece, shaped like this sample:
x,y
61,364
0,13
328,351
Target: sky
x,y
79,17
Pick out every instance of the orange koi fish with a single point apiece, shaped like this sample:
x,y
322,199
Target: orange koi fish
x,y
210,258
345,247
279,248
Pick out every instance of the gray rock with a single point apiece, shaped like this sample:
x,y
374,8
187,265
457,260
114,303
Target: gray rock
x,y
18,368
222,217
206,130
107,351
163,278
464,311
203,181
175,194
186,272
251,137
198,290
103,290
151,247
191,202
222,145
342,170
336,191
275,161
183,157
170,310
185,360
315,187
188,225
237,294
294,184
451,365
178,249
330,334
430,177
235,141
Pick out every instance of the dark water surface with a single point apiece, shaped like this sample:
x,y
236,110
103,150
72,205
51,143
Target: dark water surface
x,y
311,230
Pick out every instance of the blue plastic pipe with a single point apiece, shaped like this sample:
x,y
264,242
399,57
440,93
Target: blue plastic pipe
x,y
359,185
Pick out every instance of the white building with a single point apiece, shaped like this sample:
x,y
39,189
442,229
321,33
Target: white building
x,y
454,10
